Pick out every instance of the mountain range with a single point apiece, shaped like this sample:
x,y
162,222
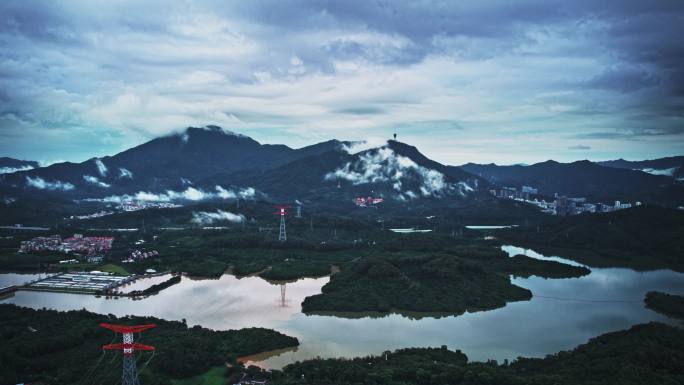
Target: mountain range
x,y
672,166
212,163
10,165
583,178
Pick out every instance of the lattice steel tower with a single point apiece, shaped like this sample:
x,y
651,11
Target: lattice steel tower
x,y
129,347
282,211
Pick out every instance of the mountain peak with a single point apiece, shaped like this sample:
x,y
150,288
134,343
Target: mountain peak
x,y
211,129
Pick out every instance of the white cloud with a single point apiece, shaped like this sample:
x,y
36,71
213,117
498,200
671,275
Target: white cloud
x,y
9,170
664,171
42,184
8,200
94,180
362,145
193,194
244,193
125,173
190,193
206,217
101,168
384,165
280,79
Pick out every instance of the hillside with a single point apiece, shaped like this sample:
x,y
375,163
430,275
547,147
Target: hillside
x,y
171,162
644,354
645,237
584,179
672,166
50,347
211,163
10,165
396,172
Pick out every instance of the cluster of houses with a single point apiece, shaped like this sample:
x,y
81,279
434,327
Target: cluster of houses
x,y
367,201
88,246
138,255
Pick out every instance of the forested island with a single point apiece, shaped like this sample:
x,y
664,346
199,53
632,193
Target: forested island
x,y
45,346
645,354
668,304
156,288
469,279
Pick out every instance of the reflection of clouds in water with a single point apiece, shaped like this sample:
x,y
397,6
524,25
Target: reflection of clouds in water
x,y
515,250
602,321
526,328
224,303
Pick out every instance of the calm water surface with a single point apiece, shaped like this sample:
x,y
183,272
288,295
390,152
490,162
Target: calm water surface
x,y
11,279
562,314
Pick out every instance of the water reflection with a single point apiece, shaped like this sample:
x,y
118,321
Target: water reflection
x,y
224,303
562,314
11,279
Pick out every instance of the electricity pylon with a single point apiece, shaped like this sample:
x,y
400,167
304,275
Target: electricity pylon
x,y
282,211
129,347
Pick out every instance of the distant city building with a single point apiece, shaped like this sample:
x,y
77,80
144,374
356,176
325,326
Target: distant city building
x,y
529,190
561,206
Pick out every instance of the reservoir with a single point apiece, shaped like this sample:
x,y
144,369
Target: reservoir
x,y
562,314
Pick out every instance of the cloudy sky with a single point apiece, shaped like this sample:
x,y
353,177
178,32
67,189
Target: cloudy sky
x,y
483,81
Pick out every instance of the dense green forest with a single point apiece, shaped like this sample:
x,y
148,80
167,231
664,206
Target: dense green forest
x,y
643,238
669,304
64,347
44,346
645,354
313,246
467,279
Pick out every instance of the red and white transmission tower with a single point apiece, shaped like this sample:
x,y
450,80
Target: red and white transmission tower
x,y
129,347
282,211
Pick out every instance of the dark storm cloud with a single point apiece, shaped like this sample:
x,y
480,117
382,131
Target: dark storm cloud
x,y
579,147
596,70
625,79
361,110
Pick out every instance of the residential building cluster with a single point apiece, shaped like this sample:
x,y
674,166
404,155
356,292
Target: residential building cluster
x,y
138,255
89,246
560,205
565,206
138,205
513,193
367,201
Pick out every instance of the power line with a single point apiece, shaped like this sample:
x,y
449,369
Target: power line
x,y
587,299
